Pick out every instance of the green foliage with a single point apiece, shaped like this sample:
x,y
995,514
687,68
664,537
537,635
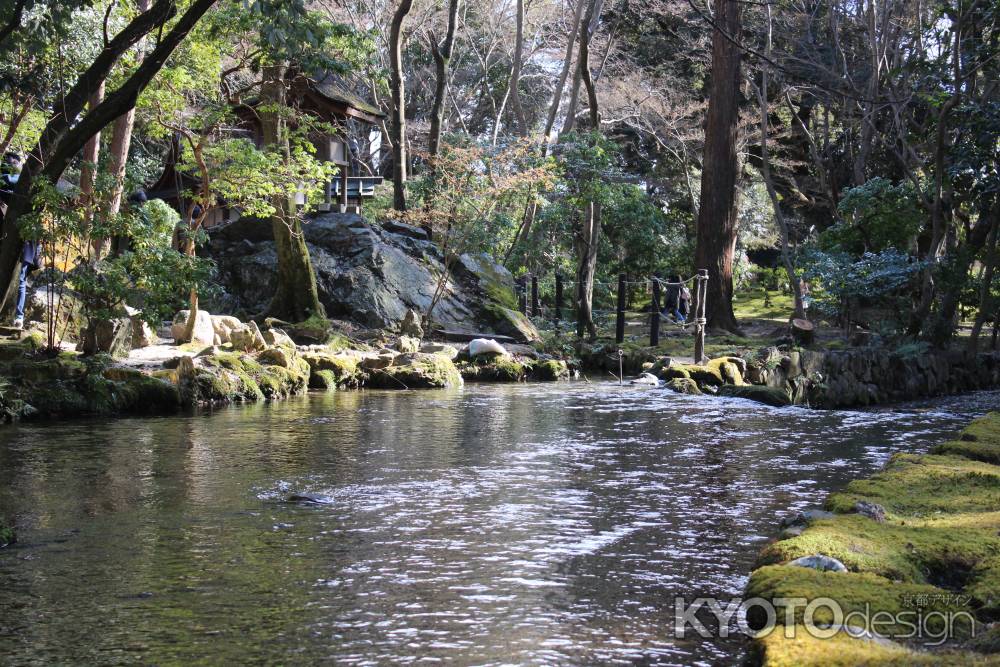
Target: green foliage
x,y
877,216
879,281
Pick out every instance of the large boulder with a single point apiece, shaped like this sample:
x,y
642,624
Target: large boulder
x,y
204,330
373,275
417,371
112,336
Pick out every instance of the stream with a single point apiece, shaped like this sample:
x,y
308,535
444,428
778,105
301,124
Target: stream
x,y
531,524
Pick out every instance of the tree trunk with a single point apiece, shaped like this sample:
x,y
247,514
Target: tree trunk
x,y
296,297
564,74
121,142
398,128
442,58
515,72
61,140
987,308
590,234
798,310
91,155
716,242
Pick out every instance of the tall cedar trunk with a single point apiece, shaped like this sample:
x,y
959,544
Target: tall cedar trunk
x,y
296,297
717,208
588,241
62,139
121,142
398,127
515,72
798,311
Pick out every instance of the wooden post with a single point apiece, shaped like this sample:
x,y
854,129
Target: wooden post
x,y
559,298
535,306
522,295
701,289
343,189
620,315
654,315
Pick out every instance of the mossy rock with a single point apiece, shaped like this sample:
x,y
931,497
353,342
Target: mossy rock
x,y
343,367
767,395
511,322
102,392
855,591
980,441
30,341
64,367
234,377
323,380
683,385
550,370
495,368
939,544
417,371
842,650
705,376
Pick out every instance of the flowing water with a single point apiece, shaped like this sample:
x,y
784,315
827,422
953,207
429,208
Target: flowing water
x,y
529,524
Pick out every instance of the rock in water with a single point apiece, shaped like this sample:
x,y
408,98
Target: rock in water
x,y
484,346
303,499
820,562
410,326
408,344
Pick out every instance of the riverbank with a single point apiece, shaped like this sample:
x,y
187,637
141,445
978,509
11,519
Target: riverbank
x,y
917,543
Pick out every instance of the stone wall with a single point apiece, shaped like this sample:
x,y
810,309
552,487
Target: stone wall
x,y
871,376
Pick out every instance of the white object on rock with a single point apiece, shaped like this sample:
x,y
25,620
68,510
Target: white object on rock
x,y
820,562
647,379
485,346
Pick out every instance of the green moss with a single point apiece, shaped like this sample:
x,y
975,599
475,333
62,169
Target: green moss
x,y
550,370
423,371
856,591
500,294
980,441
496,368
683,385
915,485
344,368
941,537
804,650
7,534
323,380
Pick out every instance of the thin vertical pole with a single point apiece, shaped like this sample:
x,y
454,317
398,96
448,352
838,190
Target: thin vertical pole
x,y
559,298
654,314
620,316
535,306
522,295
701,289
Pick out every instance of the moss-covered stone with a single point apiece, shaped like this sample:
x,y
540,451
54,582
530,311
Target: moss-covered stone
x,y
323,380
939,545
344,367
766,395
417,371
683,385
550,370
234,377
495,368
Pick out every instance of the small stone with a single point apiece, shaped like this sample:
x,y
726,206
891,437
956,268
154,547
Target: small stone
x,y
819,562
408,344
377,362
410,326
248,339
873,511
278,337
440,348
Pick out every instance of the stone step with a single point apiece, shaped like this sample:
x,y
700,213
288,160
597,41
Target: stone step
x,y
11,333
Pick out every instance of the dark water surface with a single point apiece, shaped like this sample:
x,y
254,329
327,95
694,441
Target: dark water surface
x,y
529,524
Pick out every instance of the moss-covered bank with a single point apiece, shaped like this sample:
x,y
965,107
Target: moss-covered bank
x,y
921,536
